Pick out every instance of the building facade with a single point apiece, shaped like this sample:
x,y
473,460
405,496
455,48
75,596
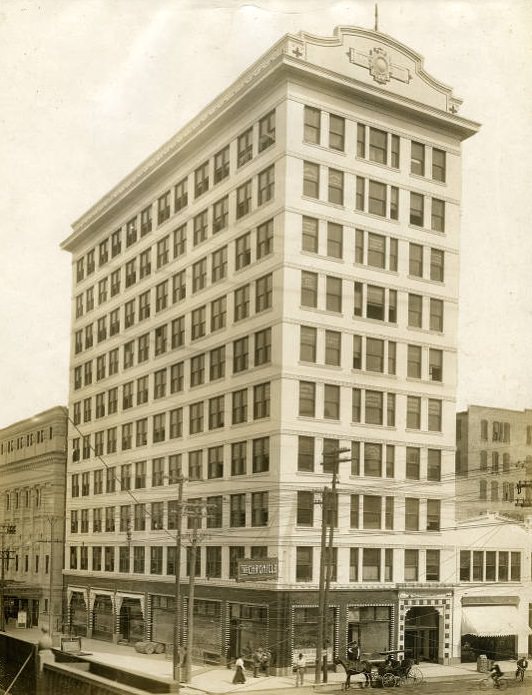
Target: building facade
x,y
278,281
33,456
493,459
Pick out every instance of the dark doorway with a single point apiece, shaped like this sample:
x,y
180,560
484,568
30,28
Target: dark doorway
x,y
422,633
131,620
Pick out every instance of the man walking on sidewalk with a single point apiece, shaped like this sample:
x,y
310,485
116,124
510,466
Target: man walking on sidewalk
x,y
300,667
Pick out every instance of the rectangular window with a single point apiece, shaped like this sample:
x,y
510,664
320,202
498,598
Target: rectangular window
x,y
267,131
237,510
435,365
240,355
195,465
196,417
217,363
305,454
435,415
437,217
433,515
180,241
434,465
220,215
438,165
161,296
261,401
411,514
145,221
334,240
333,348
416,209
377,199
176,424
416,260
201,179
413,412
264,239
307,398
200,227
245,147
415,311
238,458
259,508
411,565
266,185
311,180
309,240
336,132
333,297
241,303
199,275
304,564
221,164
371,564
378,146
437,259
215,462
305,508
331,402
198,325
336,187
261,455
263,293
372,512
374,355
243,200
311,130
181,195
374,413
263,347
218,313
417,159
216,412
163,208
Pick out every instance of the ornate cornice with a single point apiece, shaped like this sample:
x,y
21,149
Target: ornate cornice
x,y
292,51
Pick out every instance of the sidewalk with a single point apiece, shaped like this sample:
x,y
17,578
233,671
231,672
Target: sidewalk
x,y
218,681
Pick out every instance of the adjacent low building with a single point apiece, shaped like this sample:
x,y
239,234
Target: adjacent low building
x,y
33,456
493,460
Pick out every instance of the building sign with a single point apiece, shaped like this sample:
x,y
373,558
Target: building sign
x,y
258,570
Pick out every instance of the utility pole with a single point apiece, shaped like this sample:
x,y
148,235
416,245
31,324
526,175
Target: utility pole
x,y
196,516
5,529
177,594
333,458
52,520
321,587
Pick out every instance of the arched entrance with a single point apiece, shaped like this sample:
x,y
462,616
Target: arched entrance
x,y
78,615
422,633
131,626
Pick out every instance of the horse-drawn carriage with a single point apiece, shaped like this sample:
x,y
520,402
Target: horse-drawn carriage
x,y
382,670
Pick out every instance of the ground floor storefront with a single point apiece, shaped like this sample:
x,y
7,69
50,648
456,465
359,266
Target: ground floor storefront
x,y
23,606
235,621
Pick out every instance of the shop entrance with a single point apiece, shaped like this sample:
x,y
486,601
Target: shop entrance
x,y
422,633
131,620
78,615
103,618
495,648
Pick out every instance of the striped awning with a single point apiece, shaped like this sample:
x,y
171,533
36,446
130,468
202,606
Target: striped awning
x,y
492,621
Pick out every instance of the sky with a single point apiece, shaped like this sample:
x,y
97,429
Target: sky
x,y
90,88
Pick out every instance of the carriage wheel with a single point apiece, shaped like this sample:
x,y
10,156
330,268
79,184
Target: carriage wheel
x,y
415,676
388,680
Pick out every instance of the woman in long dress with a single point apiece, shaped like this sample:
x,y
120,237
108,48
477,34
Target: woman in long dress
x,y
239,676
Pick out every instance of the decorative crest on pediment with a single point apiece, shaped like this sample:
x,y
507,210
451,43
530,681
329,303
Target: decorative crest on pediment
x,y
380,65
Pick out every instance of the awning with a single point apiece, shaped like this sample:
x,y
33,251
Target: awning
x,y
492,621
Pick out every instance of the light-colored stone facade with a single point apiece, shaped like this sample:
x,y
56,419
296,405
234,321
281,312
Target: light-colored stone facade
x,y
313,304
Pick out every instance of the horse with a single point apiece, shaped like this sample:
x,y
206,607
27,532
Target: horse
x,y
354,668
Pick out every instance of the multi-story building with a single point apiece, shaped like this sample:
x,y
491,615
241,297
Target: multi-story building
x,y
493,456
33,455
277,281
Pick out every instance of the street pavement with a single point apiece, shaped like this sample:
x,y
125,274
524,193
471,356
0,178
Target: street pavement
x,y
218,681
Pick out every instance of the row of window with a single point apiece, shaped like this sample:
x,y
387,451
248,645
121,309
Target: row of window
x,y
373,144
202,416
490,566
242,354
139,309
326,293
500,431
370,459
27,565
18,443
241,510
365,564
372,197
173,289
27,498
371,249
172,335
214,170
368,354
369,406
507,491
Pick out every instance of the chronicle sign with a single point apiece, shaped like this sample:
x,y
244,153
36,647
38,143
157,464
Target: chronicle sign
x,y
258,570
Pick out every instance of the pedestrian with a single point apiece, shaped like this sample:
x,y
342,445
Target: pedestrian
x,y
353,651
522,665
300,667
257,661
240,676
266,658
